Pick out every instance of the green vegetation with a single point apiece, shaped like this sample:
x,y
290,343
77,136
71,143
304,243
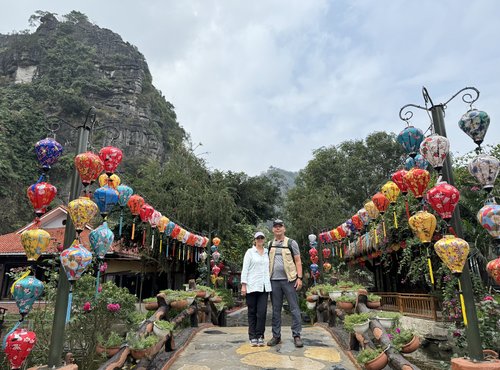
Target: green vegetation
x,y
357,318
113,340
136,342
368,354
373,298
401,337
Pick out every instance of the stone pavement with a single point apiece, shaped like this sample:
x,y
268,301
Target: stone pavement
x,y
228,348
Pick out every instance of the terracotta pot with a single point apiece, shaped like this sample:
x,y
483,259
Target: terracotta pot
x,y
139,353
200,294
151,306
375,304
216,299
99,349
311,298
345,305
111,351
179,305
489,354
377,363
412,346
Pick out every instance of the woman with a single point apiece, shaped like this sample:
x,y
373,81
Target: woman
x,y
255,285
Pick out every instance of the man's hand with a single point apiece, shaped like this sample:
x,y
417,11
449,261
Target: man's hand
x,y
298,284
243,290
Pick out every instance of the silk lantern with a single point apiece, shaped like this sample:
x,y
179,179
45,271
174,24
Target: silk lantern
x,y
153,221
111,157
216,241
485,169
25,292
489,218
162,226
418,162
89,166
313,252
101,239
134,203
493,268
423,225
453,252
326,253
434,149
145,214
391,191
410,138
398,178
18,346
372,210
327,267
124,194
443,198
81,211
112,181
216,270
475,124
41,195
417,181
35,243
356,221
363,216
105,198
381,202
48,152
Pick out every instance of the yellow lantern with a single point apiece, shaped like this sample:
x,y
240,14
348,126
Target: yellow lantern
x,y
181,235
391,191
162,225
372,210
423,225
112,181
82,210
35,242
453,252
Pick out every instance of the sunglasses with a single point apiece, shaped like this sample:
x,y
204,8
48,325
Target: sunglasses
x,y
260,237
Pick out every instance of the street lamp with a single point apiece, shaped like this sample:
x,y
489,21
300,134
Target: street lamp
x,y
470,95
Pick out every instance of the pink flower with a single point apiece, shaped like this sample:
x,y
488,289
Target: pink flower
x,y
475,188
99,289
488,298
103,267
87,307
398,330
113,307
390,336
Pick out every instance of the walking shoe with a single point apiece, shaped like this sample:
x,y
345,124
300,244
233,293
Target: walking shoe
x,y
254,342
260,342
298,342
274,341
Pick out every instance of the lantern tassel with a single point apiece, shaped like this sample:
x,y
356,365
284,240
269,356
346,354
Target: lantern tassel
x,y
152,239
173,249
97,280
4,344
121,223
462,303
143,236
395,220
161,240
383,227
70,303
133,230
430,270
376,237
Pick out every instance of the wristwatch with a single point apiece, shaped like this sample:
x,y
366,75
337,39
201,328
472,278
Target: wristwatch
x,y
299,277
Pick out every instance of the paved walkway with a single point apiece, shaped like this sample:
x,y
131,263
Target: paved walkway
x,y
227,348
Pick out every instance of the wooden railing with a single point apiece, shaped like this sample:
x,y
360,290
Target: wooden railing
x,y
417,305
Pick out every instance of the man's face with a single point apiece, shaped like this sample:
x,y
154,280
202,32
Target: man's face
x,y
278,230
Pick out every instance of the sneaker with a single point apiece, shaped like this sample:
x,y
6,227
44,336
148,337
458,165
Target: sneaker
x,y
274,341
298,342
254,342
260,342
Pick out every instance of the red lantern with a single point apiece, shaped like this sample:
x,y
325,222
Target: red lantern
x,y
341,232
326,253
216,270
146,212
443,199
399,178
381,202
89,166
134,203
111,158
314,259
356,221
18,347
417,181
216,241
313,252
40,195
493,268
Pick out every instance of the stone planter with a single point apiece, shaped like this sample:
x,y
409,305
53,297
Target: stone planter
x,y
373,304
345,305
335,294
361,328
311,305
412,346
377,363
385,322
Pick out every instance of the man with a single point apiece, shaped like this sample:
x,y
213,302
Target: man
x,y
285,269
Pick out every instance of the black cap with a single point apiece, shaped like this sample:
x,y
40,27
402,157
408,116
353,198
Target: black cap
x,y
278,222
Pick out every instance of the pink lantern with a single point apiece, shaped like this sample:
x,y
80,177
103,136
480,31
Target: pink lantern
x,y
443,198
111,157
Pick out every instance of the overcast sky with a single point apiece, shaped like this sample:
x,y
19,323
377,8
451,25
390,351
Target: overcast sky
x,y
264,83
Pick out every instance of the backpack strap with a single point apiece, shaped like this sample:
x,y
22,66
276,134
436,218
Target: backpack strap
x,y
289,246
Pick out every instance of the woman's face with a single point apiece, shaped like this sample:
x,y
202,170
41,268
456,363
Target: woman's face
x,y
259,241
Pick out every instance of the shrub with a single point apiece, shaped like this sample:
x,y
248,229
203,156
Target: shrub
x,y
150,300
141,342
401,337
113,340
165,325
373,298
346,298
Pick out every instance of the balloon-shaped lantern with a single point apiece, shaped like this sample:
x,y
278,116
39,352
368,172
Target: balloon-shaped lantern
x,y
327,267
111,157
423,225
398,178
418,162
372,210
112,181
417,181
82,210
145,214
124,194
485,169
35,243
101,239
326,253
493,268
434,149
453,252
313,252
40,196
89,166
410,138
363,216
475,123
381,202
135,202
162,225
357,222
153,221
489,218
19,344
25,292
443,198
391,191
105,198
216,241
216,270
48,152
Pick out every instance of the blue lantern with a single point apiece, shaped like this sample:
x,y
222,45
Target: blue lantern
x,y
25,292
314,268
169,228
105,198
48,152
418,162
124,194
101,240
411,138
475,123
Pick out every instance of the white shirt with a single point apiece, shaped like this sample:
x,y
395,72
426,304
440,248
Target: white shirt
x,y
255,272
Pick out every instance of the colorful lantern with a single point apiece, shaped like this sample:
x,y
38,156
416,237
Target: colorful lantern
x,y
327,267
48,152
81,211
417,181
398,178
124,194
89,166
381,202
35,243
418,162
25,292
40,196
216,270
101,240
341,232
314,268
312,238
326,253
313,252
363,216
216,241
356,221
434,149
175,231
314,259
493,268
135,203
181,235
105,198
453,252
485,169
336,234
111,157
372,210
75,261
154,220
112,181
489,218
170,227
475,123
162,226
18,346
391,191
443,198
423,225
410,138
146,212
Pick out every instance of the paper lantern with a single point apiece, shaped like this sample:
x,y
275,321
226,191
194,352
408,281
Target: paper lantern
x,y
326,253
434,149
124,194
101,240
356,221
48,152
372,210
398,178
312,238
35,243
423,225
327,267
489,218
89,166
111,157
443,198
417,162
314,259
336,234
105,198
391,191
18,346
417,181
453,252
181,234
175,231
216,270
410,138
192,239
493,268
146,212
154,220
41,195
314,267
81,211
216,241
341,232
485,169
135,204
170,227
162,223
112,181
75,261
363,216
313,252
475,124
25,292
186,237
381,202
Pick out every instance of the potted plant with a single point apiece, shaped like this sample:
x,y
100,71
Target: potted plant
x,y
373,359
203,291
310,304
346,302
373,301
387,319
151,304
313,293
140,346
162,328
110,346
357,323
405,340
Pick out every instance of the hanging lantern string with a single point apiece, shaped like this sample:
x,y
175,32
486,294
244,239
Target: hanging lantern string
x,y
70,302
429,263
462,303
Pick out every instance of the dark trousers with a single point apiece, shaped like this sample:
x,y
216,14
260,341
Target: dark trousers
x,y
285,288
257,308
